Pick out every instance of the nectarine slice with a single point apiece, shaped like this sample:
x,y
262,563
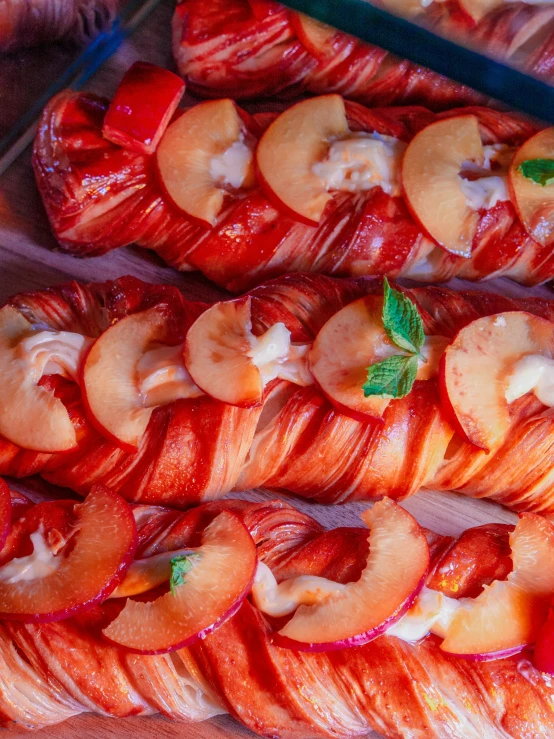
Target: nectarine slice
x,y
534,202
507,615
315,37
233,365
119,397
105,540
30,416
201,154
476,368
219,580
295,141
394,573
432,183
351,341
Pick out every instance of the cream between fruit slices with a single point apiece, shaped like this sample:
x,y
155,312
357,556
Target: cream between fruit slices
x,y
42,562
532,373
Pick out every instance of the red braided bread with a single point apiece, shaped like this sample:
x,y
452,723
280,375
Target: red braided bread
x,y
26,23
201,448
52,671
99,196
249,48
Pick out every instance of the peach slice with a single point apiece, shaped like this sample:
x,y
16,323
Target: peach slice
x,y
116,392
295,141
316,37
433,188
352,340
230,364
389,583
55,586
534,202
30,416
476,368
508,614
214,589
201,154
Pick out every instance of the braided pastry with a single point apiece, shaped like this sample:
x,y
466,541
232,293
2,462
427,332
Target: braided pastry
x,y
158,438
100,196
51,671
249,48
29,22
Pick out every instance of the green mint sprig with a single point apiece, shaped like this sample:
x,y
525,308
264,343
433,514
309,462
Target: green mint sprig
x,y
394,376
180,566
540,171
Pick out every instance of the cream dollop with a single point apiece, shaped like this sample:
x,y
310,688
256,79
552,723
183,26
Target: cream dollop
x,y
361,162
54,353
42,562
276,357
234,167
532,373
163,377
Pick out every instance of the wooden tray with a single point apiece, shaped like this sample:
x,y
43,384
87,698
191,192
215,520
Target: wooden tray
x,y
28,261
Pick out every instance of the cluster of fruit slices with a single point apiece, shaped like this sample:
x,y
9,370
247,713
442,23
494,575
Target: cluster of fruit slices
x,y
211,150
135,365
58,559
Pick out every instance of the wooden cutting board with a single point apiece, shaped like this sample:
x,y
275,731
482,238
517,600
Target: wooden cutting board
x,y
28,261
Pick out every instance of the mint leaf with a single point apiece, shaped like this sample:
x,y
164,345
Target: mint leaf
x,y
401,320
391,378
540,171
179,568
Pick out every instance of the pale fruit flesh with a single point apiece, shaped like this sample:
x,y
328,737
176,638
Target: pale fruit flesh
x,y
476,368
433,188
389,582
105,542
351,341
213,589
534,202
30,416
185,154
297,139
110,380
216,354
509,613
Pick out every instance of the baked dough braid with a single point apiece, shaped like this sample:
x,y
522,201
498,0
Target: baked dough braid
x,y
28,22
250,48
99,196
201,448
51,671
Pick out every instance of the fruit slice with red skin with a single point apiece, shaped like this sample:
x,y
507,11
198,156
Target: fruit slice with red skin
x,y
433,189
543,656
315,37
102,549
30,416
5,512
507,616
295,141
216,354
534,202
186,153
351,341
396,566
213,591
476,367
111,387
142,107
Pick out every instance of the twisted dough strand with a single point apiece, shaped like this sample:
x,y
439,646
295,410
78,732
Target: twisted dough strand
x,y
199,449
99,197
403,690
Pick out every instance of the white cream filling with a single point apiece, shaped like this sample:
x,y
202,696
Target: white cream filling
x,y
533,373
54,353
163,377
486,190
280,599
42,562
233,167
274,355
432,612
361,162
